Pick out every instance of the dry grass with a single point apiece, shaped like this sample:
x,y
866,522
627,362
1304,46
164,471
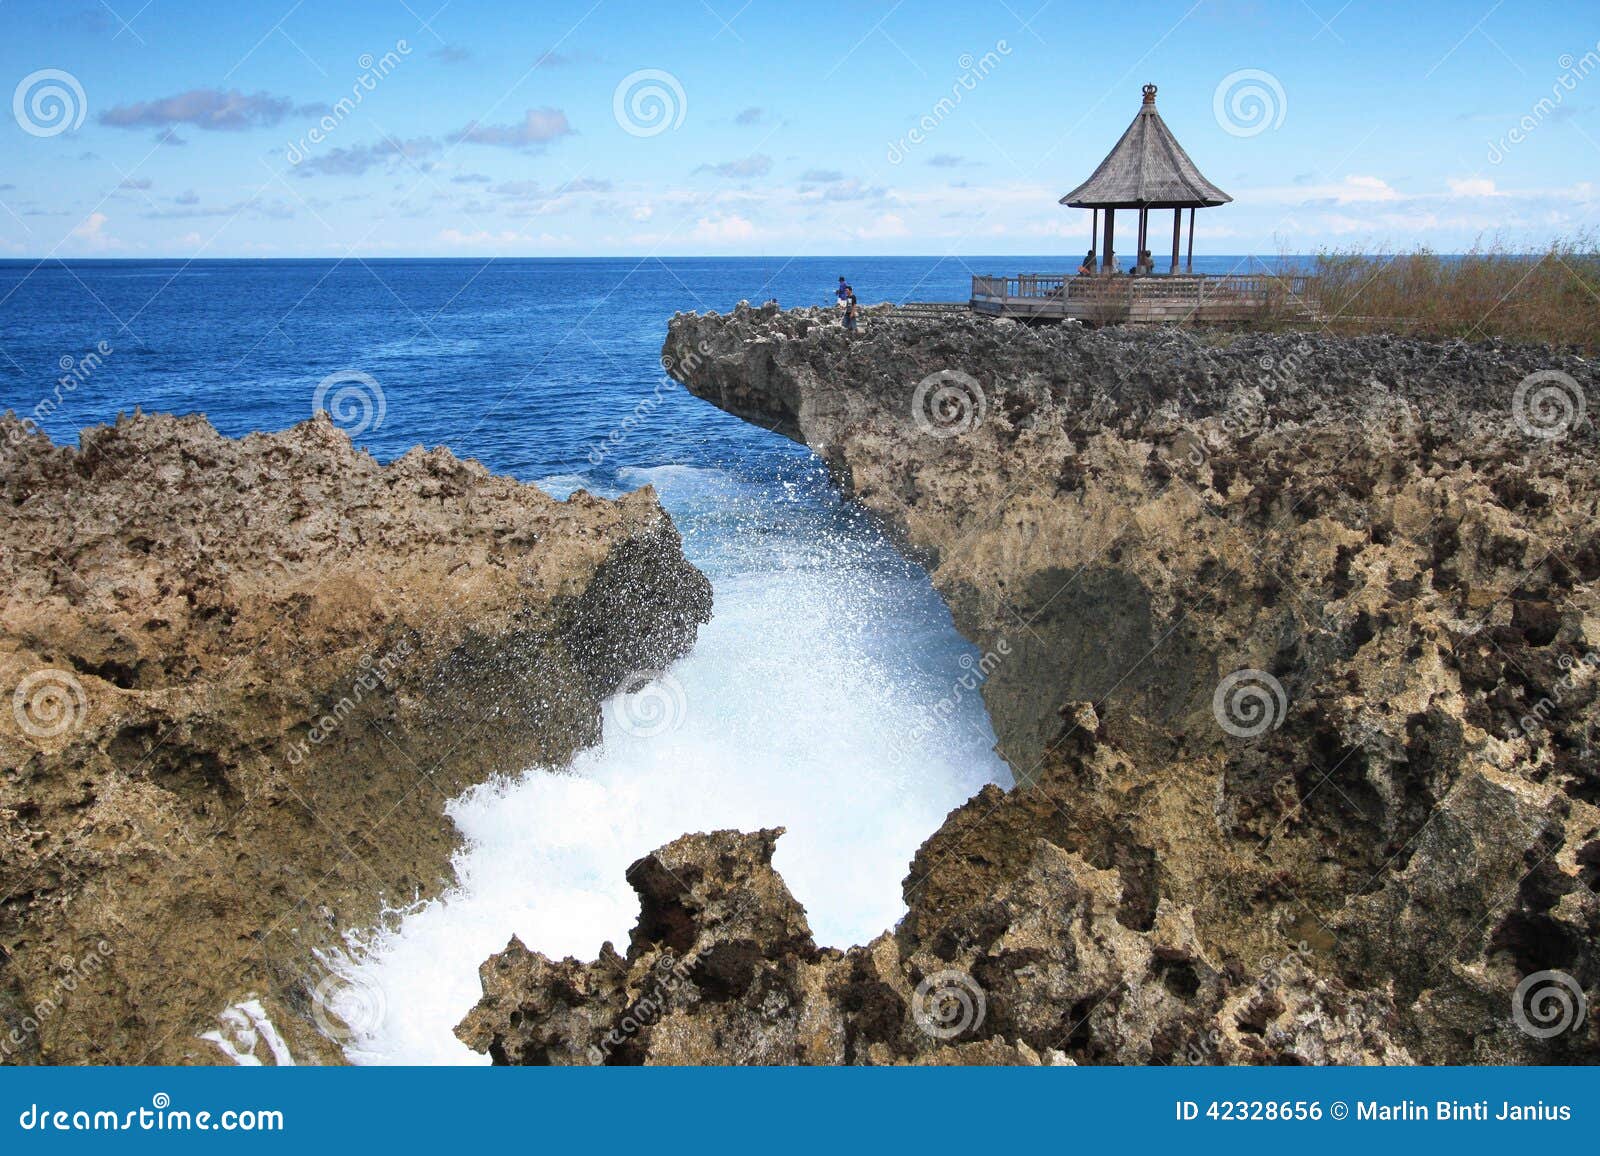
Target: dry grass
x,y
1490,292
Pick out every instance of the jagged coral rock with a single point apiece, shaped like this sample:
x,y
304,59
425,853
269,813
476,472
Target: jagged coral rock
x,y
721,969
1385,548
244,676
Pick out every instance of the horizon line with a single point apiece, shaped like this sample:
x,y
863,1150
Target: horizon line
x,y
642,258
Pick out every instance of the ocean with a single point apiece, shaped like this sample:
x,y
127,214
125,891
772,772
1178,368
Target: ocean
x,y
807,702
525,365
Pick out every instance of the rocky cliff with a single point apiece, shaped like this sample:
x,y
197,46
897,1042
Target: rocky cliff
x,y
1292,647
242,679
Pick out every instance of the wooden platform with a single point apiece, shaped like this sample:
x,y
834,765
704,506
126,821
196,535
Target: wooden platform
x,y
1154,300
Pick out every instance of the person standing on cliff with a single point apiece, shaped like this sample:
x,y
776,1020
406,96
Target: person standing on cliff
x,y
850,314
843,293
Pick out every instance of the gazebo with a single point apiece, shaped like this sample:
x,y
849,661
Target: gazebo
x,y
1147,169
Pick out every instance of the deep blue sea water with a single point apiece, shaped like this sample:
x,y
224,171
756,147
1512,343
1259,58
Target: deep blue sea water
x,y
523,364
808,701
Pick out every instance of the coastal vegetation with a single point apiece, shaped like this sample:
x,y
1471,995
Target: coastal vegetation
x,y
1488,292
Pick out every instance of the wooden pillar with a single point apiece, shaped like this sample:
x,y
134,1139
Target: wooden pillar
x,y
1107,240
1094,229
1177,233
1190,267
1144,237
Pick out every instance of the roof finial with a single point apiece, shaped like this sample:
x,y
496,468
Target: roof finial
x,y
1150,94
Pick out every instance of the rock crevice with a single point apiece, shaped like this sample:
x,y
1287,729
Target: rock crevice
x,y
1298,681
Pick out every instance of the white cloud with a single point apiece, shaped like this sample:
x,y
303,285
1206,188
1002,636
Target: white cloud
x,y
886,225
456,239
1354,190
725,228
90,226
91,233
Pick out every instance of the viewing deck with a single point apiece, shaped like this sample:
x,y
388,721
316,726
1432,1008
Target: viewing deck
x,y
1150,300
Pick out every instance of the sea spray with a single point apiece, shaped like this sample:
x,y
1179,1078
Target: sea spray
x,y
809,702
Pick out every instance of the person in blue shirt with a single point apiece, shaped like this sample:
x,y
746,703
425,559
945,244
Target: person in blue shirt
x,y
843,293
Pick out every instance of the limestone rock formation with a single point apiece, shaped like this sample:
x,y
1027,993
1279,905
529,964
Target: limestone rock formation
x,y
722,969
242,678
1292,639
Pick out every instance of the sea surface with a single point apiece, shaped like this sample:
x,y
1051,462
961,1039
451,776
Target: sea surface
x,y
807,702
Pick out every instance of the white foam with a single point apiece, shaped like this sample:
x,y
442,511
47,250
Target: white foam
x,y
246,1025
804,704
684,481
561,486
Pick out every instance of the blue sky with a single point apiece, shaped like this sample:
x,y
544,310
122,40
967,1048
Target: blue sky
x,y
469,127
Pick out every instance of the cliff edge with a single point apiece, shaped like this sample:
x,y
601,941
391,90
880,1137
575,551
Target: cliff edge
x,y
1292,647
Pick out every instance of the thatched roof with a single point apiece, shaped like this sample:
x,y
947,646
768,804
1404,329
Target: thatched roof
x,y
1147,169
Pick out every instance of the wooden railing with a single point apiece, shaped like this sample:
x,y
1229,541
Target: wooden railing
x,y
1195,288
